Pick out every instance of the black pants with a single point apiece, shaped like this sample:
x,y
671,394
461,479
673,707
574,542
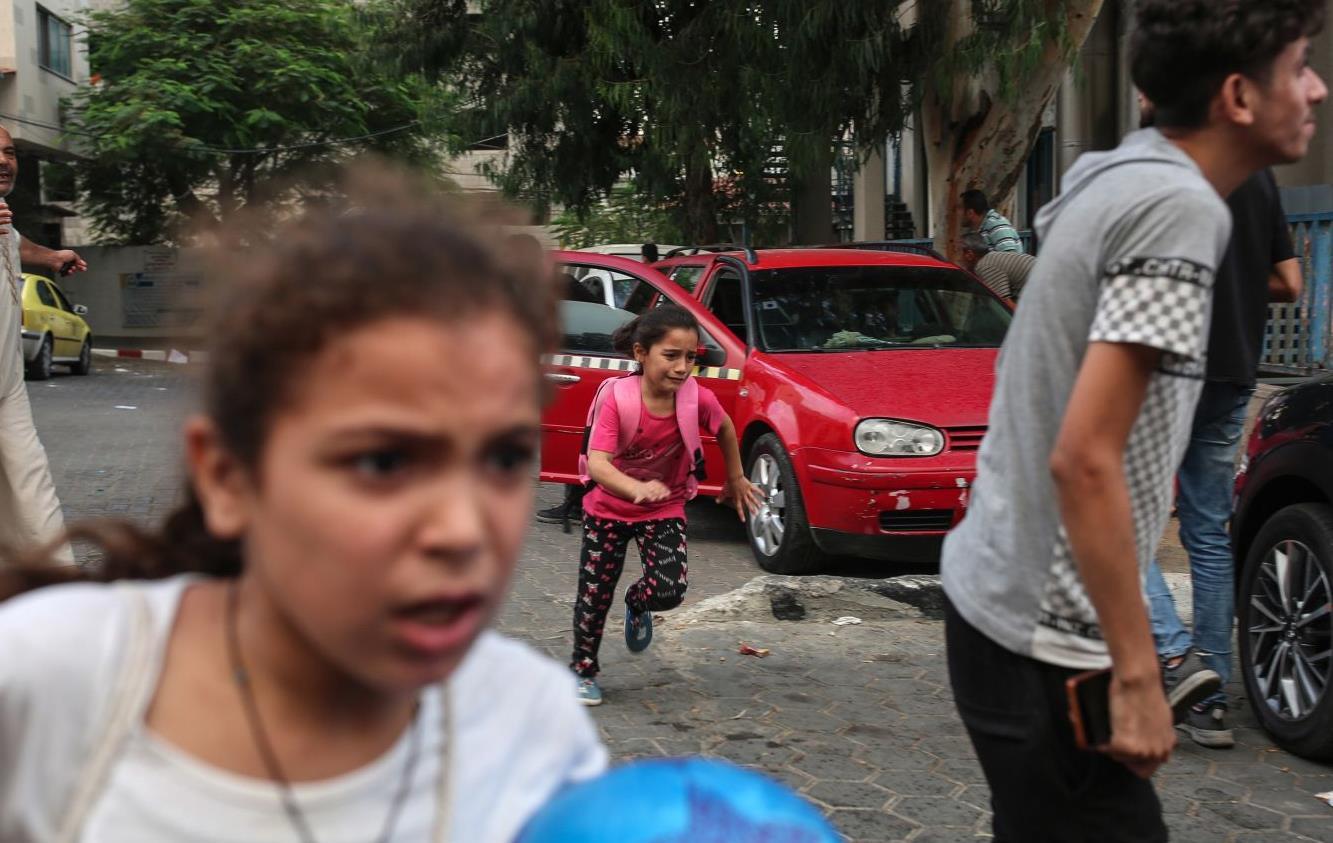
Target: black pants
x,y
662,586
1044,789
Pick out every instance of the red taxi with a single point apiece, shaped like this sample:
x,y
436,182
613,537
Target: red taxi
x,y
859,382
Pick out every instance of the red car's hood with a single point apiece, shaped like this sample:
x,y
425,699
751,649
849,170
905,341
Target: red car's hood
x,y
945,387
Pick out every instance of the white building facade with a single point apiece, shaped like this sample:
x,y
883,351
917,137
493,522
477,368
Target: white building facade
x,y
43,58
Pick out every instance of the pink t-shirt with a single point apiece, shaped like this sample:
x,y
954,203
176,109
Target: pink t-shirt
x,y
656,452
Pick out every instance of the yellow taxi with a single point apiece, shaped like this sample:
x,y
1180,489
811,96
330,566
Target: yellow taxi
x,y
53,330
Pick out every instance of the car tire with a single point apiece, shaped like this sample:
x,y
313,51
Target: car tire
x,y
39,367
85,364
779,532
1279,654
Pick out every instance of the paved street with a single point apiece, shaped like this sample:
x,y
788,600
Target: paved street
x,y
858,717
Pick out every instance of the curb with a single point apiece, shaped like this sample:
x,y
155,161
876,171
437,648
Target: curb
x,y
823,598
166,356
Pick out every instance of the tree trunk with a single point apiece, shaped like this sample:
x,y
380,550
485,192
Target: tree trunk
x,y
699,220
197,213
226,195
973,141
812,204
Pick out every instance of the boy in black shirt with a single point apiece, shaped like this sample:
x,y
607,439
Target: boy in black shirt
x,y
1259,266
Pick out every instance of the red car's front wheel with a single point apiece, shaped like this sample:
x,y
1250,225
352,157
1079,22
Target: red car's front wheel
x,y
779,532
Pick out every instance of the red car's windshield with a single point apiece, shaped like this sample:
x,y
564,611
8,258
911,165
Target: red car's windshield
x,y
847,308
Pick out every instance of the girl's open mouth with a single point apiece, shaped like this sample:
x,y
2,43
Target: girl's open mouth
x,y
435,628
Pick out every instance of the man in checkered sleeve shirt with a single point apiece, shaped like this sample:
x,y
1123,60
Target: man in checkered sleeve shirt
x,y
1094,400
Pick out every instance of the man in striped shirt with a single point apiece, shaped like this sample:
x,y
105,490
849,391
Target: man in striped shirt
x,y
1004,272
989,223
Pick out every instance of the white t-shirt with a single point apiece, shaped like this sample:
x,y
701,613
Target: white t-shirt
x,y
11,314
520,734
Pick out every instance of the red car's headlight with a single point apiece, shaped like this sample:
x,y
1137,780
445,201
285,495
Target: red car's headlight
x,y
892,438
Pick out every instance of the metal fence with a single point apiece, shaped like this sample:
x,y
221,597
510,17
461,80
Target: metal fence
x,y
1299,335
1297,338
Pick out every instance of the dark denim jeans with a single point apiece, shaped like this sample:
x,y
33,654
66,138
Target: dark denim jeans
x,y
1206,478
1044,789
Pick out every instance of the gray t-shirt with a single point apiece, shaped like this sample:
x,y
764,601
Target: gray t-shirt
x,y
1128,255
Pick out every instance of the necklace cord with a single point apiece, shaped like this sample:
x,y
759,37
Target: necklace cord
x,y
290,806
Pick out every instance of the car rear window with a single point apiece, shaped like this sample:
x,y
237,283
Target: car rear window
x,y
874,307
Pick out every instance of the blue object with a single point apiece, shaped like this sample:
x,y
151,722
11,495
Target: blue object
x,y
679,800
638,630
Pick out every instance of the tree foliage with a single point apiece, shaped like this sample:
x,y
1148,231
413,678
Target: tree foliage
x,y
695,101
702,104
200,109
626,216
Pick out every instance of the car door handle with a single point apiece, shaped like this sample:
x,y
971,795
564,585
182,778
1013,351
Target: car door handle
x,y
565,379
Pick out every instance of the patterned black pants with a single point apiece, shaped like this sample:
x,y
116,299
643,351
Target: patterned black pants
x,y
662,586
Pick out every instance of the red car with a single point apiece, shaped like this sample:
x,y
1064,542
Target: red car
x,y
859,382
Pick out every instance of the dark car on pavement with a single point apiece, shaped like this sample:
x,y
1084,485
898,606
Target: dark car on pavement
x,y
1283,535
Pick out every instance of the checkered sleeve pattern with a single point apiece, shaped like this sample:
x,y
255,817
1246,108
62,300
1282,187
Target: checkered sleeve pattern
x,y
1155,448
1158,303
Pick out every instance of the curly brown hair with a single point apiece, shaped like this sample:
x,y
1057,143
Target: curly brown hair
x,y
1182,50
328,273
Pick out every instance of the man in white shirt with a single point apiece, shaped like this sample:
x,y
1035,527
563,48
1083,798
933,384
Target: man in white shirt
x,y
29,509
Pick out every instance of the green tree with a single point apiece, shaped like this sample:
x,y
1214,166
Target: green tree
x,y
625,217
200,109
695,101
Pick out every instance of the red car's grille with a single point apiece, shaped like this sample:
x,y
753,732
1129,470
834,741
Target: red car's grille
x,y
965,438
916,520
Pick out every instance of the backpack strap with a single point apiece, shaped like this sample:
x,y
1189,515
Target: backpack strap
x,y
687,419
127,702
629,408
628,405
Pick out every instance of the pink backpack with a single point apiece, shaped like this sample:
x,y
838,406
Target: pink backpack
x,y
629,403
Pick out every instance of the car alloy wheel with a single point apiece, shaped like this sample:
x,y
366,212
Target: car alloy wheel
x,y
779,533
767,526
1291,630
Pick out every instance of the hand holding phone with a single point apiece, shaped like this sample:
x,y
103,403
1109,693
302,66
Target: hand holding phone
x,y
1130,723
1143,734
1089,696
68,262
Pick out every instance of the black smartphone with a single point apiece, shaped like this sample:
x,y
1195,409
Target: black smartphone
x,y
67,267
1090,707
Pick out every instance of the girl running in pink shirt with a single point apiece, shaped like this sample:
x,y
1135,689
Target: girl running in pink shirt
x,y
644,463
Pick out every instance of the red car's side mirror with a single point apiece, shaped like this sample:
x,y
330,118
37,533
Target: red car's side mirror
x,y
711,356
